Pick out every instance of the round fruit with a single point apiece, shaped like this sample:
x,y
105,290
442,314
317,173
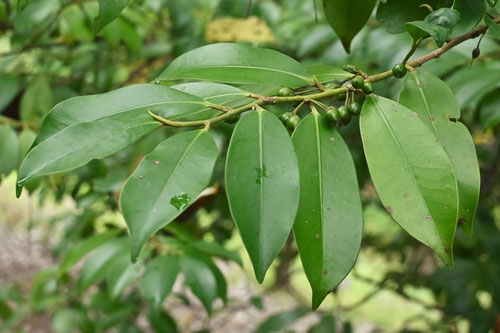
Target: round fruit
x,y
233,119
358,82
285,116
342,96
285,92
293,122
476,53
345,116
354,108
332,85
399,70
332,116
367,88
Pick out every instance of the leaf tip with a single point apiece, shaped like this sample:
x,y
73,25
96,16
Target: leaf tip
x,y
317,299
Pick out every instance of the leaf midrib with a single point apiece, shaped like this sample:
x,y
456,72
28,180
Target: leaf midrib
x,y
262,179
192,69
320,176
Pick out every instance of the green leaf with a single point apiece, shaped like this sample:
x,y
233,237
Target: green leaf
x,y
325,73
162,322
471,13
120,274
26,139
262,186
109,10
9,87
396,12
34,15
493,28
9,149
159,278
219,277
435,104
36,101
96,266
348,17
325,325
492,3
237,64
216,249
411,172
116,120
329,219
200,279
436,25
490,115
80,250
280,321
166,182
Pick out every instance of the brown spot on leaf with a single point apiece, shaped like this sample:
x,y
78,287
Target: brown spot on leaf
x,y
433,118
332,139
325,272
428,218
461,221
389,210
140,177
317,235
157,162
406,195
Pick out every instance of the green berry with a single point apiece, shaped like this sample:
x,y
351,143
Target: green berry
x,y
358,82
342,96
293,122
345,116
354,108
367,88
399,70
332,116
350,69
285,116
285,92
233,119
332,85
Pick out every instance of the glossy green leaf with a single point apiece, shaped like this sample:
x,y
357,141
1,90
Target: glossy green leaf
x,y
9,87
411,172
9,149
348,17
490,113
121,274
262,186
471,13
80,250
435,104
493,27
329,220
436,25
280,321
34,15
200,279
96,266
162,322
396,12
108,11
492,3
219,277
159,278
165,183
118,119
237,64
325,73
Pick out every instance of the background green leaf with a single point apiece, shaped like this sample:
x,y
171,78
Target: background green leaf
x,y
108,11
159,278
9,149
348,17
200,279
262,186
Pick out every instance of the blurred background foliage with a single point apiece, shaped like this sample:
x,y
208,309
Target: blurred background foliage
x,y
48,53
